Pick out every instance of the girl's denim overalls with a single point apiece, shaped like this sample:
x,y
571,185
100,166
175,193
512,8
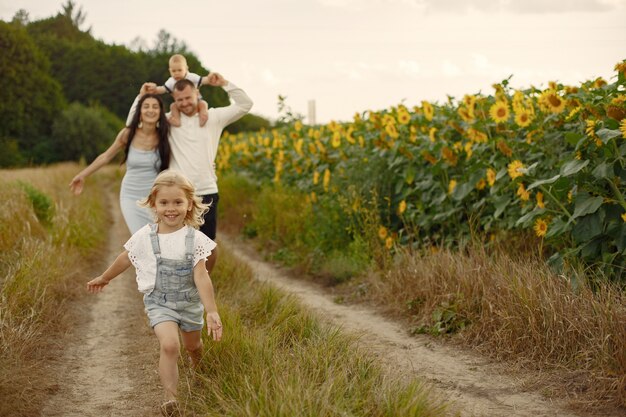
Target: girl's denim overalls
x,y
175,296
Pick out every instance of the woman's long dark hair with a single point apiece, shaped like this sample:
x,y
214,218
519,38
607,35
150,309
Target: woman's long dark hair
x,y
163,130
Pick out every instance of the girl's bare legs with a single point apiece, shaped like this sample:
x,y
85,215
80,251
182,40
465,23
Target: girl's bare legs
x,y
193,344
167,333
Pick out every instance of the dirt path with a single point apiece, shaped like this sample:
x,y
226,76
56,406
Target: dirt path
x,y
477,387
109,365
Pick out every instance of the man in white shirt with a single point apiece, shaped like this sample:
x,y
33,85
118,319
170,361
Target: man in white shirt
x,y
194,147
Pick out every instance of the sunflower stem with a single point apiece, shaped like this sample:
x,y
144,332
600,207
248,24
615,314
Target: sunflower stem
x,y
558,203
617,192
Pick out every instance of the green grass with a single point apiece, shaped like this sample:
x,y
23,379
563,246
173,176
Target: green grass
x,y
278,359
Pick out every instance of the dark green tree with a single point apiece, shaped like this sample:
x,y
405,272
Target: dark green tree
x,y
31,98
83,132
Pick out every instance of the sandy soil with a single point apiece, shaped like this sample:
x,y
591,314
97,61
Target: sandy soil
x,y
109,364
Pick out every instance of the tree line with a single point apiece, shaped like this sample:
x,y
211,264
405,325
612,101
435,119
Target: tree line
x,y
65,94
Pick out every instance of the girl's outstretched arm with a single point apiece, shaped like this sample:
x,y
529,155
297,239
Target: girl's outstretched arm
x,y
121,264
205,289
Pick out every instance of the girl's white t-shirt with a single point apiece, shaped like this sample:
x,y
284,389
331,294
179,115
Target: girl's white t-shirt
x,y
172,246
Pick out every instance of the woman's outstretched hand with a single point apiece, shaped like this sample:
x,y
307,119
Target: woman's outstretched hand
x,y
77,184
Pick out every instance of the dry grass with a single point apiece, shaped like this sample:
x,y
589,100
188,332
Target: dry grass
x,y
279,359
44,233
516,310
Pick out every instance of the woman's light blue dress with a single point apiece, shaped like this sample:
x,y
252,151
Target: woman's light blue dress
x,y
141,170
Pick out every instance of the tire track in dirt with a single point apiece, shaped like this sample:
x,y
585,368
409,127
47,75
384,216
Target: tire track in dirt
x,y
108,367
475,386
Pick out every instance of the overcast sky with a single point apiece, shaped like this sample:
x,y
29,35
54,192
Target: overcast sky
x,y
354,55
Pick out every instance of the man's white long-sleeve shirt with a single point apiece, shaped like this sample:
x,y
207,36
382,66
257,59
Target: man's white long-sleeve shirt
x,y
194,147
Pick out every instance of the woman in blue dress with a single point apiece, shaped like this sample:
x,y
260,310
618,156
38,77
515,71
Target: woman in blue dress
x,y
146,153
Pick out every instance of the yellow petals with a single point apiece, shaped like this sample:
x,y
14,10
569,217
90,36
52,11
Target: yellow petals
x,y
499,112
540,202
451,186
402,207
513,169
428,110
382,232
523,194
326,180
491,176
540,227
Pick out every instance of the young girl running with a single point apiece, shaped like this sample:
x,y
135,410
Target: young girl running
x,y
176,285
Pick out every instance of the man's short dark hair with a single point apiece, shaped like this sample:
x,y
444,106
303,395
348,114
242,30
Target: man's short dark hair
x,y
182,84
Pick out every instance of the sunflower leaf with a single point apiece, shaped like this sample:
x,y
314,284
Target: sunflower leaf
x,y
607,134
573,167
542,182
586,205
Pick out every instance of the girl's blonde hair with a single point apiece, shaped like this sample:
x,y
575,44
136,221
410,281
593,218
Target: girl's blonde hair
x,y
169,177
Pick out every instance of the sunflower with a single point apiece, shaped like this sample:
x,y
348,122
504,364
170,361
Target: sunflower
x,y
297,125
390,128
326,179
431,133
504,148
523,194
428,109
466,114
401,207
316,177
428,157
449,155
389,242
470,101
623,216
552,101
336,140
541,227
451,186
491,176
621,67
499,112
513,169
477,136
404,117
523,117
382,232
313,196
468,150
599,82
481,184
622,128
540,202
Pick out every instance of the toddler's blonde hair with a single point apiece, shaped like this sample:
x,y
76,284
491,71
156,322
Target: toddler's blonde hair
x,y
179,59
170,177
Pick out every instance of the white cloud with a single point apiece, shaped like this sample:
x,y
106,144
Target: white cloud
x,y
523,6
269,78
409,67
450,70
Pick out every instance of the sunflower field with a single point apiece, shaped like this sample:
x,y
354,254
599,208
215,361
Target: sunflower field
x,y
548,162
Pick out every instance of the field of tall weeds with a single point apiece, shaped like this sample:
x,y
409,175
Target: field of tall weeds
x,y
46,240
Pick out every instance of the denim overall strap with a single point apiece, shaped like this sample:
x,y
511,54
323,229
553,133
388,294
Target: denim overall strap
x,y
189,245
154,240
